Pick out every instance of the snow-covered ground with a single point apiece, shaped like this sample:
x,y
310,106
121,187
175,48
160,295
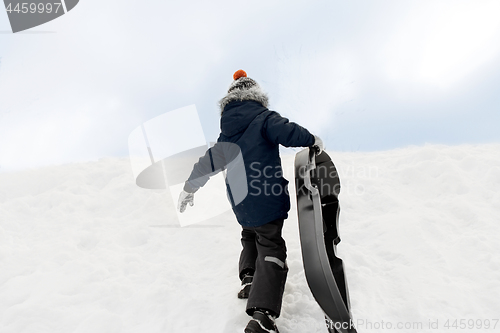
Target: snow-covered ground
x,y
83,249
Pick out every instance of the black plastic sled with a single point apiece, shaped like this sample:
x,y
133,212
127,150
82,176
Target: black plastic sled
x,y
318,186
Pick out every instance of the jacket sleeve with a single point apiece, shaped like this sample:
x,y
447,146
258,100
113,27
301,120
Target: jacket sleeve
x,y
280,130
207,166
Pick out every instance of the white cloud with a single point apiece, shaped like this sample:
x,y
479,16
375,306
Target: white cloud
x,y
312,83
465,38
440,43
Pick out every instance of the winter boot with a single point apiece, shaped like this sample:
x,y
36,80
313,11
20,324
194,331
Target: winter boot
x,y
262,322
246,282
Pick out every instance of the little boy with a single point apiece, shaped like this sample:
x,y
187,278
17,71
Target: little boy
x,y
246,123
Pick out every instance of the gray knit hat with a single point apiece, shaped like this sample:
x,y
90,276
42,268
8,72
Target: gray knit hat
x,y
241,81
243,88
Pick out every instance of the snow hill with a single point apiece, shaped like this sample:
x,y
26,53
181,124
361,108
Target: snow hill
x,y
83,249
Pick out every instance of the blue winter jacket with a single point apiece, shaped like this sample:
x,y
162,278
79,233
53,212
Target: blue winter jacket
x,y
257,132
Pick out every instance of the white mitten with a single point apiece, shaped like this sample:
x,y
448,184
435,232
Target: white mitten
x,y
184,199
318,144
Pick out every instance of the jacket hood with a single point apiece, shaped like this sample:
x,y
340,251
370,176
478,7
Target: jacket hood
x,y
238,115
251,94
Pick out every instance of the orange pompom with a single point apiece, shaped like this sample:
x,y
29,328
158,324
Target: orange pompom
x,y
239,73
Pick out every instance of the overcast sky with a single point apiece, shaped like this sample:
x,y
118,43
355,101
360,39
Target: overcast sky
x,y
364,75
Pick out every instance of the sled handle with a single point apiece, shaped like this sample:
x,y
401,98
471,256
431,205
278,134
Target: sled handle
x,y
312,154
311,165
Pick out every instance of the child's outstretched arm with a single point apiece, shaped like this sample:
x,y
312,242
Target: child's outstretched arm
x,y
208,165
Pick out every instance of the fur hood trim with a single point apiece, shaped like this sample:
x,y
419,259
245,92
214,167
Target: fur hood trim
x,y
252,94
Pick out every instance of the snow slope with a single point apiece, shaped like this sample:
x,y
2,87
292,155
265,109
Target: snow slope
x,y
83,249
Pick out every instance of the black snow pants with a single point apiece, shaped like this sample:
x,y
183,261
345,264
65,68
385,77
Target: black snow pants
x,y
264,253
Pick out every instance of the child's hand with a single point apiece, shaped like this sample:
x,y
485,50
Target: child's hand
x,y
318,144
184,199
